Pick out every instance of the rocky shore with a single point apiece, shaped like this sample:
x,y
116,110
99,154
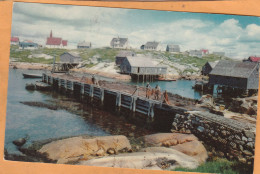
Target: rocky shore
x,y
161,151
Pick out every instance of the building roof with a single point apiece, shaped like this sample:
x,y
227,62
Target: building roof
x,y
173,46
141,61
26,44
125,53
14,39
204,51
152,44
74,54
84,44
53,41
213,64
233,68
122,41
254,58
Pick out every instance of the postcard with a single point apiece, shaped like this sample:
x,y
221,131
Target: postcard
x,y
132,88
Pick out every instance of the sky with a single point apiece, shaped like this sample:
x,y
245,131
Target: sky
x,y
237,36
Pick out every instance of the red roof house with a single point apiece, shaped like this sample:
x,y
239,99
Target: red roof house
x,y
204,51
55,41
254,59
15,40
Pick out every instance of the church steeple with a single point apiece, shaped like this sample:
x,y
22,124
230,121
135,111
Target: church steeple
x,y
51,34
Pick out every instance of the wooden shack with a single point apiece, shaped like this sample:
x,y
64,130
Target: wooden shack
x,y
68,60
207,68
173,48
70,57
143,67
84,45
151,46
122,55
235,74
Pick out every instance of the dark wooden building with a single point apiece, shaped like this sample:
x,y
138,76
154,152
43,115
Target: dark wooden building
x,y
84,45
122,55
138,65
70,57
234,74
173,48
207,68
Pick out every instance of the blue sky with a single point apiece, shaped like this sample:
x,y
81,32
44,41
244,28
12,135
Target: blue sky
x,y
238,36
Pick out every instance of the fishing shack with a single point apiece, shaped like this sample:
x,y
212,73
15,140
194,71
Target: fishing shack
x,y
140,67
68,60
235,75
122,55
207,68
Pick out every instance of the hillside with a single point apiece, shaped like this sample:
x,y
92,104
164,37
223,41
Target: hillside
x,y
103,58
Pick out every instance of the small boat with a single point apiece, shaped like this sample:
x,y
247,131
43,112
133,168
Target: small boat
x,y
42,86
168,80
26,75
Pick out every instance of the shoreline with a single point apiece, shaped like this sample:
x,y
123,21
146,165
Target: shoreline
x,y
117,76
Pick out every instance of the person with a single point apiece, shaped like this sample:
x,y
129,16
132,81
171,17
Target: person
x,y
157,92
166,98
93,79
148,90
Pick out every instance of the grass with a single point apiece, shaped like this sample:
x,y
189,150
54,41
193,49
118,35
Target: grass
x,y
220,165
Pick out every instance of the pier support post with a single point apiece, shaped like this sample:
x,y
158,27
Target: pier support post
x,y
118,99
102,95
82,88
91,91
133,104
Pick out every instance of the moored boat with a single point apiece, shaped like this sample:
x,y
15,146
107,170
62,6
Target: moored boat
x,y
27,75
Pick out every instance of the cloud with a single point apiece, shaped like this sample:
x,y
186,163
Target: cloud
x,y
99,25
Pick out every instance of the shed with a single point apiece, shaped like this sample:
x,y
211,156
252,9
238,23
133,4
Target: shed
x,y
254,58
122,55
15,40
28,45
207,68
119,42
70,58
195,53
84,45
173,48
139,65
151,45
235,74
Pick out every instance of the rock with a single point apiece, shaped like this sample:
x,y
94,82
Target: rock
x,y
249,134
30,86
168,138
194,149
19,142
242,160
207,101
185,143
246,152
111,151
244,139
70,148
146,160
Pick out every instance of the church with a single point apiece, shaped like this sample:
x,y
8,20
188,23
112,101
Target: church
x,y
56,42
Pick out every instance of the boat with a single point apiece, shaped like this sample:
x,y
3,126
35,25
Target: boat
x,y
165,79
42,86
26,75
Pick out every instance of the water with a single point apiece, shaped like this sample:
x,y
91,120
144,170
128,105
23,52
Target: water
x,y
39,123
180,87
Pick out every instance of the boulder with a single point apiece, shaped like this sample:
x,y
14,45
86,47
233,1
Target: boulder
x,y
19,142
194,149
207,101
160,139
185,143
73,149
156,159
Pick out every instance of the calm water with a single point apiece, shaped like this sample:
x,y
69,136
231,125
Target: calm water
x,y
180,87
38,123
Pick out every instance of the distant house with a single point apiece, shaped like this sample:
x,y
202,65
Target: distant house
x,y
70,58
204,51
55,42
195,53
234,74
15,40
119,43
137,65
122,55
219,53
207,68
254,59
84,45
173,48
28,45
151,46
